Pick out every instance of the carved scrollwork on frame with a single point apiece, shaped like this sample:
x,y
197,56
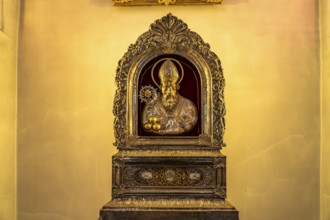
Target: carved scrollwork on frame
x,y
219,162
170,203
117,187
170,35
117,191
220,191
169,153
118,162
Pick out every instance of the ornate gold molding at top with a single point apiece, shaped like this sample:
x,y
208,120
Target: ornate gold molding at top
x,y
115,2
169,203
170,35
163,2
166,2
169,153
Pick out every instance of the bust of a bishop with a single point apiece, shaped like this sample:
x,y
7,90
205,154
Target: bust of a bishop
x,y
170,113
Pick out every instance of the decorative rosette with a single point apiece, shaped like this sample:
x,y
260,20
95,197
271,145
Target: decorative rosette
x,y
148,94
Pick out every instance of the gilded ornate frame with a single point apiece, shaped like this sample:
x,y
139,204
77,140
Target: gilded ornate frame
x,y
169,35
163,2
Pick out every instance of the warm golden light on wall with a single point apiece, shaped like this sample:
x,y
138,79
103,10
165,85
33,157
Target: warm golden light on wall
x,y
1,16
68,58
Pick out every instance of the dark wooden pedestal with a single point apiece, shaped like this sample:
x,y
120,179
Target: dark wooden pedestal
x,y
169,185
164,209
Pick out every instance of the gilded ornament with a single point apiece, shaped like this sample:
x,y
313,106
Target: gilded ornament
x,y
166,2
147,126
170,35
169,153
121,1
170,203
156,127
148,94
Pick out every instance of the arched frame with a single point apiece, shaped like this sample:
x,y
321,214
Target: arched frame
x,y
169,35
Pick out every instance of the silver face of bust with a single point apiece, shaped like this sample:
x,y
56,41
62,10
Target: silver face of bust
x,y
170,113
169,95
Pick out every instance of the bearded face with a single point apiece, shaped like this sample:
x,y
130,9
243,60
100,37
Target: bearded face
x,y
169,95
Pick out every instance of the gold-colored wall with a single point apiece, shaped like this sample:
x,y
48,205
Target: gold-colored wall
x,y
68,56
325,117
8,77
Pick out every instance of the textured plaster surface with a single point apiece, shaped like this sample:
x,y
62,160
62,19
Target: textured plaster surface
x,y
68,56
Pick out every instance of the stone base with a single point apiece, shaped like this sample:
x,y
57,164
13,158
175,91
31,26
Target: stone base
x,y
168,209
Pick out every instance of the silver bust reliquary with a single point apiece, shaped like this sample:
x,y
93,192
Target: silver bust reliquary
x,y
169,124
